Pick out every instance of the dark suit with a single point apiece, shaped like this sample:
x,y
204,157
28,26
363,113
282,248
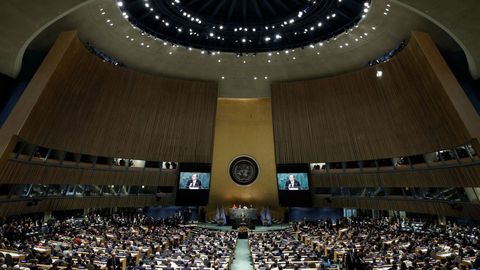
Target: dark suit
x,y
289,184
114,264
191,184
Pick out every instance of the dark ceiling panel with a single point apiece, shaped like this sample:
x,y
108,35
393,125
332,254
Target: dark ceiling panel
x,y
244,26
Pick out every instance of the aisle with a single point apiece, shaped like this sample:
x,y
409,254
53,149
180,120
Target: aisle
x,y
243,258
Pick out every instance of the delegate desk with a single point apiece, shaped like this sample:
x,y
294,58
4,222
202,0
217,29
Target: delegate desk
x,y
16,256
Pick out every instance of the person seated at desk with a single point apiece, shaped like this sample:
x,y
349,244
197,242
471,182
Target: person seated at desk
x,y
194,183
292,184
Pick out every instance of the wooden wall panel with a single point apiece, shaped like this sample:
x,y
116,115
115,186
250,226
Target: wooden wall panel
x,y
464,210
92,107
57,204
19,114
14,172
466,176
358,116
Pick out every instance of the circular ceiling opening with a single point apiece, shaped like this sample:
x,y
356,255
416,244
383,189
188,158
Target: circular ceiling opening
x,y
244,26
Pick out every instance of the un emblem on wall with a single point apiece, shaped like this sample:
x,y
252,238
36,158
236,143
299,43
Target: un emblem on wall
x,y
243,170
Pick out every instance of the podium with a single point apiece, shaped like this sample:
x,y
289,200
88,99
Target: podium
x,y
241,216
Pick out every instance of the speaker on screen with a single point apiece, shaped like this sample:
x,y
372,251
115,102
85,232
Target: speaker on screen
x,y
193,184
294,185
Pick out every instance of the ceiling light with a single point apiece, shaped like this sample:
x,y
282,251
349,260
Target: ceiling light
x,y
379,73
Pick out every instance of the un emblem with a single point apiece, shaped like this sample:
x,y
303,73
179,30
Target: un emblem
x,y
243,170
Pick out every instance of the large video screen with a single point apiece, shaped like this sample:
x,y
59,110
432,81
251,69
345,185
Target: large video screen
x,y
194,180
292,181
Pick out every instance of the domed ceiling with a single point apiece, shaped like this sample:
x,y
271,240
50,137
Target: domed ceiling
x,y
239,75
244,25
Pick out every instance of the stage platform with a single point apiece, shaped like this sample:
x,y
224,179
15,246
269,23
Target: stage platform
x,y
275,227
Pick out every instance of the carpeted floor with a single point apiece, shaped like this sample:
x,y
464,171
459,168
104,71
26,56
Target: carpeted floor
x,y
242,259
